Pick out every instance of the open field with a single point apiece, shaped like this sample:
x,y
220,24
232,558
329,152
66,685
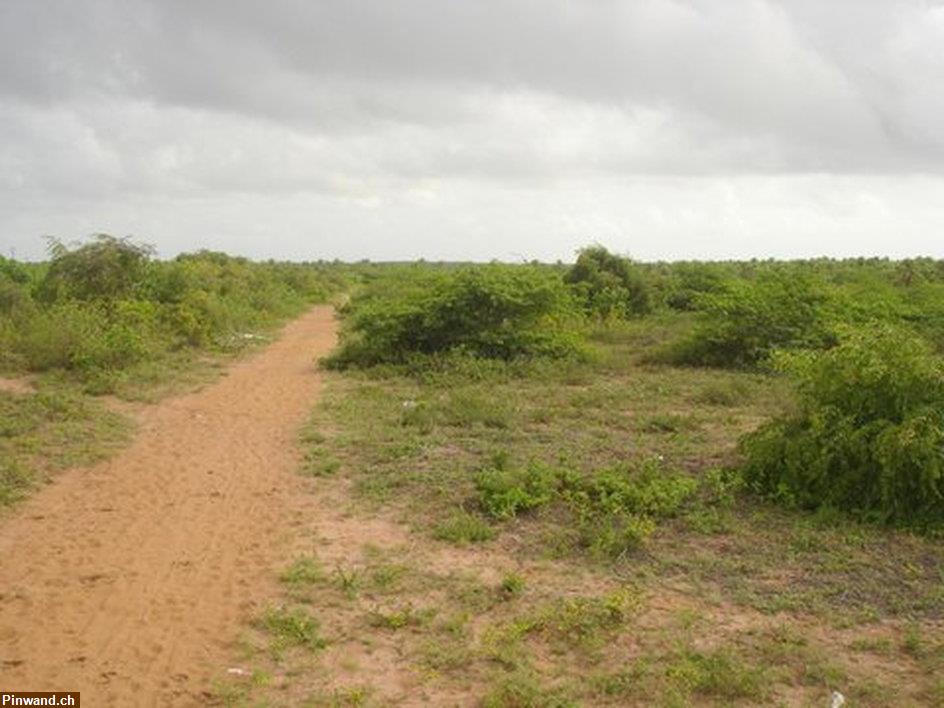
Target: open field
x,y
422,598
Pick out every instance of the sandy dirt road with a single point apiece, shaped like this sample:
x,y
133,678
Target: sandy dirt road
x,y
130,581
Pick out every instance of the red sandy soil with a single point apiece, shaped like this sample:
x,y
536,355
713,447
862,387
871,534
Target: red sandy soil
x,y
130,581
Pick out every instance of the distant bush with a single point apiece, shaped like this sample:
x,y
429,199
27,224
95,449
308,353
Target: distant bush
x,y
493,311
691,282
608,285
868,437
744,324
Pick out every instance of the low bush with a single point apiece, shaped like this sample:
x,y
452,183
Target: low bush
x,y
868,435
492,312
741,326
613,510
504,493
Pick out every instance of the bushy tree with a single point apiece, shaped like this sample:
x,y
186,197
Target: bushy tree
x,y
607,284
868,436
494,311
106,268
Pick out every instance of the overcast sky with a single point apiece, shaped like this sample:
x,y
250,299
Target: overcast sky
x,y
475,129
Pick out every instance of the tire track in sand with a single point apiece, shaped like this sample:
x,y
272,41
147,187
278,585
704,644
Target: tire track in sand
x,y
129,580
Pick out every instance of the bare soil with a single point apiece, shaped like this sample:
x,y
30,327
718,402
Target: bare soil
x,y
130,581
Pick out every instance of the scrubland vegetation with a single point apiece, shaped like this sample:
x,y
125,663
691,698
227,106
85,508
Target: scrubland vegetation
x,y
107,317
633,484
618,483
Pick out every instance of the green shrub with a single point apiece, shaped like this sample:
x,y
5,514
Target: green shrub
x,y
100,308
504,493
743,325
691,282
61,336
14,287
462,528
613,510
105,268
613,534
648,490
608,285
493,311
868,436
292,628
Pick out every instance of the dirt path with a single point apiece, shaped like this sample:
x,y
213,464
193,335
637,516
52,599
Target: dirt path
x,y
129,581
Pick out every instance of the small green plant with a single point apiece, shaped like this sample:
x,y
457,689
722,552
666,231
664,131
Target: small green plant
x,y
303,571
349,581
292,628
504,493
462,528
669,423
579,621
523,689
613,534
387,576
406,616
718,673
317,465
727,393
511,586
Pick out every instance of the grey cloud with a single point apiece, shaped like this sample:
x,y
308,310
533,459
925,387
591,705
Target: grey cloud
x,y
123,104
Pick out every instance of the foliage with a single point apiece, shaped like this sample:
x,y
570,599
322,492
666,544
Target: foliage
x,y
462,528
106,268
745,323
614,509
492,311
608,285
504,493
690,282
99,309
869,433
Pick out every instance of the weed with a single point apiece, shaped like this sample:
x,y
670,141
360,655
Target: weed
x,y
292,628
718,673
349,581
387,576
303,571
461,528
405,616
511,586
317,465
578,621
524,690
